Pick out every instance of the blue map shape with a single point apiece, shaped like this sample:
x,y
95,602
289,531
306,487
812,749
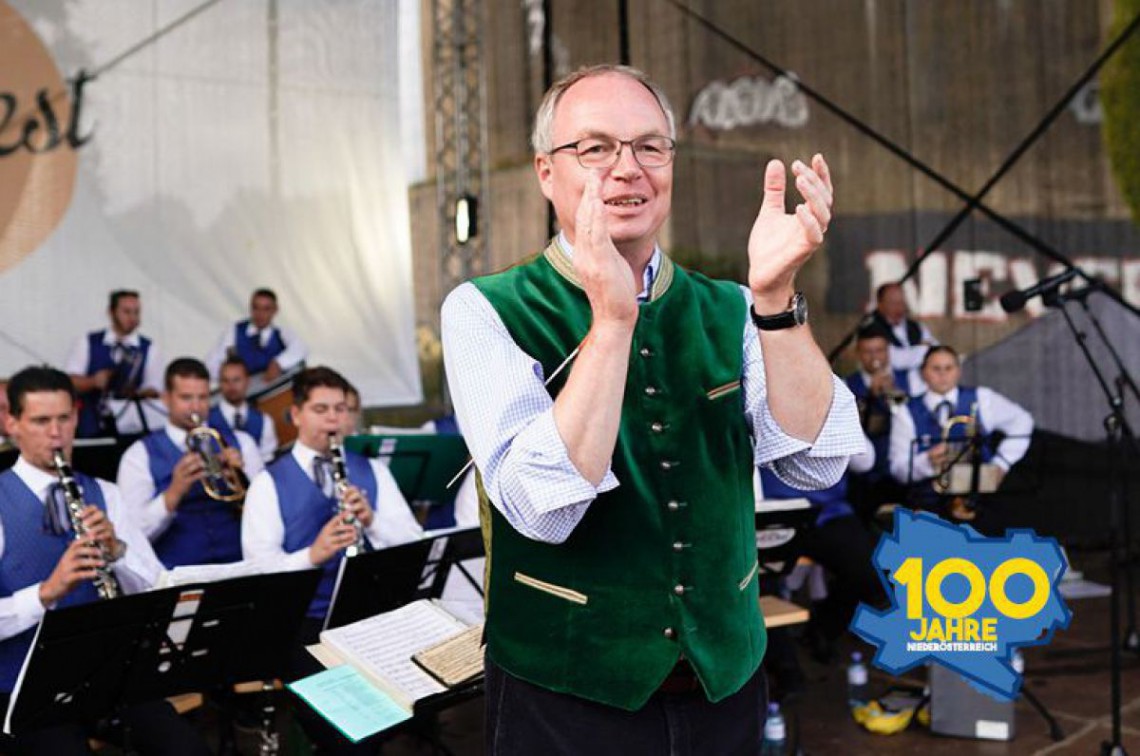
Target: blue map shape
x,y
924,535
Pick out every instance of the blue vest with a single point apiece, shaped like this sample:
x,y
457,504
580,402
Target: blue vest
x,y
101,357
254,424
305,510
253,354
832,502
878,406
31,553
203,531
927,430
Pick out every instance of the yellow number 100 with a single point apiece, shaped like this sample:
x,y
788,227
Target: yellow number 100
x,y
909,575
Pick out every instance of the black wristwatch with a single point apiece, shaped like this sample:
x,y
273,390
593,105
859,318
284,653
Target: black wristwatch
x,y
795,315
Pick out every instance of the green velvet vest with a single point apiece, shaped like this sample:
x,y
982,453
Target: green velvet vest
x,y
665,564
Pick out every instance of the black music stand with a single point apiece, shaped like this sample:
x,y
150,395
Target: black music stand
x,y
780,527
421,463
88,661
461,545
378,581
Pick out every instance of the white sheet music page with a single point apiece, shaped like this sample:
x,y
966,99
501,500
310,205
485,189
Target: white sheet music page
x,y
381,647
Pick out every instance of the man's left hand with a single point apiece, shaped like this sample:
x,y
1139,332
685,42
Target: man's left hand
x,y
781,242
99,529
357,506
272,371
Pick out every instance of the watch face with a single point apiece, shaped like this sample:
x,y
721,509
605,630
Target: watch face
x,y
800,308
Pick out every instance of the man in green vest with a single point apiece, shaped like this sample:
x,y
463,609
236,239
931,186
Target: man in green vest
x,y
615,406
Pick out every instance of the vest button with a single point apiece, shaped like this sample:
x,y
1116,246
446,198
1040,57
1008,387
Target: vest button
x,y
679,589
678,546
666,464
657,427
645,352
673,506
650,391
669,633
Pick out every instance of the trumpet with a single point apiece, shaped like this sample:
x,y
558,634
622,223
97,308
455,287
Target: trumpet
x,y
942,480
895,394
221,481
340,483
105,584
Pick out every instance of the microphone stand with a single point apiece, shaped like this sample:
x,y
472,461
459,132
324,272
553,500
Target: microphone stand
x,y
1123,379
1114,424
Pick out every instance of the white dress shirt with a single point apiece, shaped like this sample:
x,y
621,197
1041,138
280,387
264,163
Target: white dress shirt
x,y
506,415
268,443
997,414
144,501
263,529
126,414
909,356
137,570
295,350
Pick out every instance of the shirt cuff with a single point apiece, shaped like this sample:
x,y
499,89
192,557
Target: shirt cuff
x,y
28,606
840,436
298,560
538,468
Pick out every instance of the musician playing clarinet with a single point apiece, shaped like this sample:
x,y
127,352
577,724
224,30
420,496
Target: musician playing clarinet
x,y
44,566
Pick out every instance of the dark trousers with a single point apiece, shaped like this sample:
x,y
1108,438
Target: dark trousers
x,y
846,548
151,728
525,719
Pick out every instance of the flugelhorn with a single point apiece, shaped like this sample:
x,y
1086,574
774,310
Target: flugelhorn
x,y
942,480
105,584
895,394
221,481
340,486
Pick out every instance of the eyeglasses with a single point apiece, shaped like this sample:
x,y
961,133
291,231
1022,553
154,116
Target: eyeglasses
x,y
604,152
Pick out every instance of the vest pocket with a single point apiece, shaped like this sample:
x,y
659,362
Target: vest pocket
x,y
724,390
751,574
554,590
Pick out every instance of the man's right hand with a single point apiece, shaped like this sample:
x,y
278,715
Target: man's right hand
x,y
102,377
938,454
76,565
335,536
606,276
882,383
187,472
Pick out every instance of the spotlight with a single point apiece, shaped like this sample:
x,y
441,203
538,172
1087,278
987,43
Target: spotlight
x,y
466,218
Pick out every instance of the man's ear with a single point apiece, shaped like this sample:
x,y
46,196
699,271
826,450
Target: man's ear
x,y
544,169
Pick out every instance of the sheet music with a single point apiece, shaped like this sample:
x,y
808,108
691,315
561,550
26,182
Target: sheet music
x,y
382,647
209,573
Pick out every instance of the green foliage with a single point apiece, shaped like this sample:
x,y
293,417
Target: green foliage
x,y
1120,98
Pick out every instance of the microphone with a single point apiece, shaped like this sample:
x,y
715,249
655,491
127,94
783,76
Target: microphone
x,y
1012,301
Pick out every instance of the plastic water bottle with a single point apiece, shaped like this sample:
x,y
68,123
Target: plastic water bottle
x,y
857,693
775,733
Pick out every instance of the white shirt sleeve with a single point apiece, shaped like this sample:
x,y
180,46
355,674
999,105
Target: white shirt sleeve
x,y
910,357
139,568
218,354
295,350
143,504
393,522
864,460
1002,414
78,357
506,416
251,458
268,444
155,369
901,446
263,530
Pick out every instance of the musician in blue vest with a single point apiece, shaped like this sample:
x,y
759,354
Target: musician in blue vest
x,y
162,480
267,349
291,516
43,566
233,412
116,371
909,339
929,432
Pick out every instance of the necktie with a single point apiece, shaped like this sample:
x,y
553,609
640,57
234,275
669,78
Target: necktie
x,y
239,420
56,518
322,475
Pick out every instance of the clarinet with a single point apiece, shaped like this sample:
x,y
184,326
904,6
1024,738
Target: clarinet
x,y
105,583
340,482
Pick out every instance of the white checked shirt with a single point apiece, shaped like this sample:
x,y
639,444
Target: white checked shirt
x,y
506,415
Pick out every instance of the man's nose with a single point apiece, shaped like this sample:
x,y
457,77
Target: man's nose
x,y
626,165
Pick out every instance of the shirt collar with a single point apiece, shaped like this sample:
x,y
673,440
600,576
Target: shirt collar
x,y
251,330
304,456
176,434
650,269
33,477
131,339
228,409
932,400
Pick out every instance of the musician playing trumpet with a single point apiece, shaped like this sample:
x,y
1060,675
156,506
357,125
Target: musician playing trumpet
x,y
44,565
162,478
941,419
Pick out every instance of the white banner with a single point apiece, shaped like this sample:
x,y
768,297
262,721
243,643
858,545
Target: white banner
x,y
253,144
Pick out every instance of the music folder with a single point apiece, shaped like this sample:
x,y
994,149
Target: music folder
x,y
87,661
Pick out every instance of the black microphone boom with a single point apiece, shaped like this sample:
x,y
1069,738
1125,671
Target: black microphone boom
x,y
1012,301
